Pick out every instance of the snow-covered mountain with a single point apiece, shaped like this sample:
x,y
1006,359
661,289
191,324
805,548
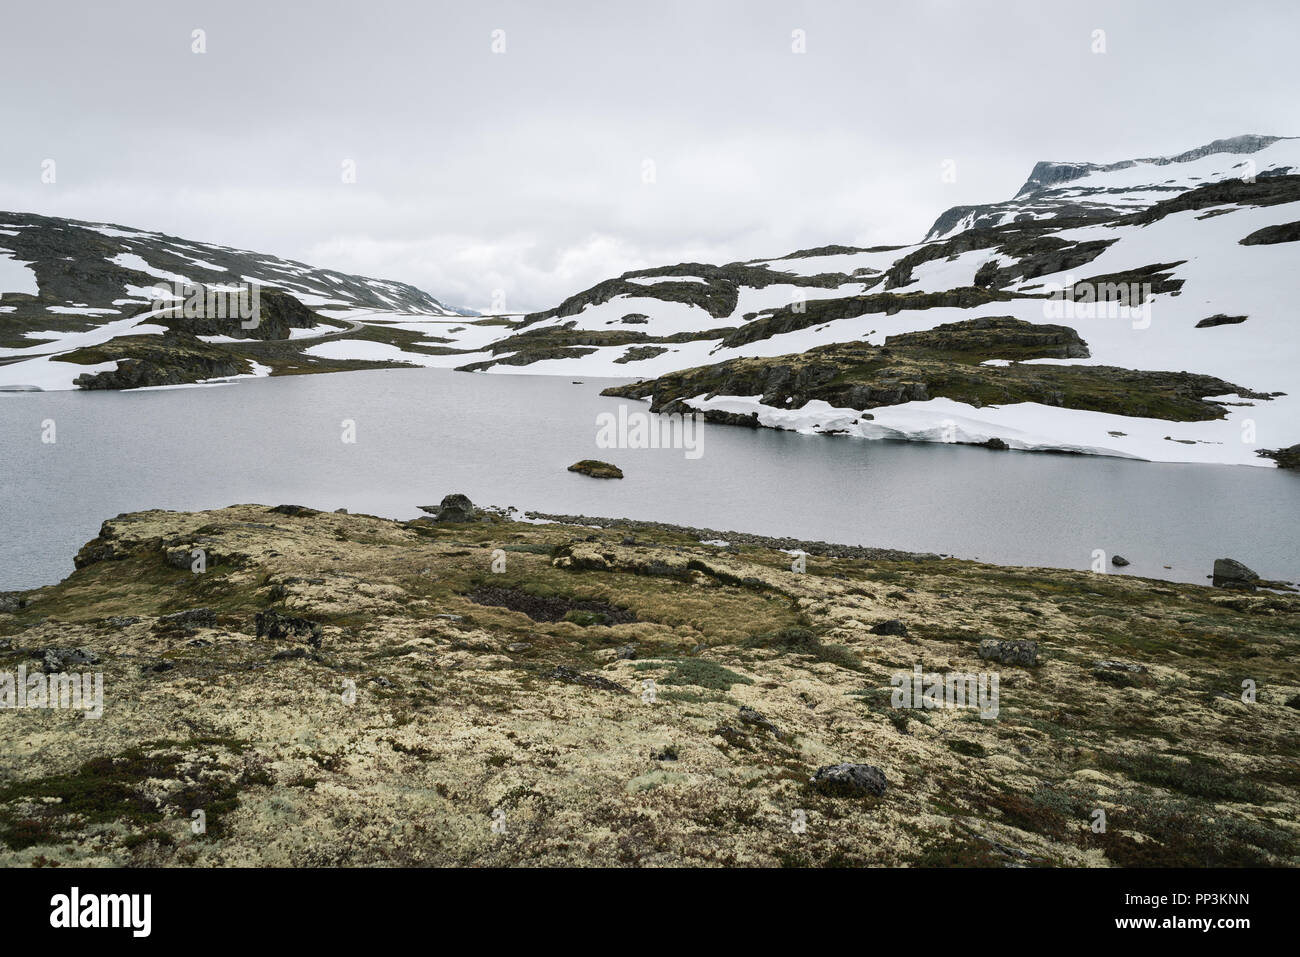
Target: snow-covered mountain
x,y
1102,192
985,331
828,340
64,264
67,287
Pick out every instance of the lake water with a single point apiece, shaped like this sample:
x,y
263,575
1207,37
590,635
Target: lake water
x,y
507,440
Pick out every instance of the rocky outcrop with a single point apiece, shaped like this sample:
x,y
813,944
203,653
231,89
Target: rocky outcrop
x,y
12,601
277,312
1288,458
1122,674
1271,235
156,360
275,626
1016,251
1220,320
55,660
1264,191
638,353
944,363
996,337
850,780
187,620
1023,653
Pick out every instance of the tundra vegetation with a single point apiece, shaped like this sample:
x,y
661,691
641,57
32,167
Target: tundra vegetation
x,y
341,689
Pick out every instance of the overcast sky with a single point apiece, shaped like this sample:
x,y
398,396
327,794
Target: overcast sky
x,y
525,170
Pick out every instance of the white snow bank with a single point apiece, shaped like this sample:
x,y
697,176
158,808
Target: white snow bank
x,y
47,373
17,276
369,351
1033,427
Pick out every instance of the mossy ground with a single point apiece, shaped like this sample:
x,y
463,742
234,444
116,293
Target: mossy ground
x,y
457,711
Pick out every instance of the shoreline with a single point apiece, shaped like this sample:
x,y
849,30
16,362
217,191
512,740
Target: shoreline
x,y
710,536
729,540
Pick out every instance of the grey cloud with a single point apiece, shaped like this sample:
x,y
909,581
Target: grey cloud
x,y
523,171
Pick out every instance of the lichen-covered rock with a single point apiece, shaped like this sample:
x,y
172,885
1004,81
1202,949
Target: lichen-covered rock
x,y
572,676
750,716
1022,653
97,550
1123,674
186,620
850,780
54,660
275,626
11,601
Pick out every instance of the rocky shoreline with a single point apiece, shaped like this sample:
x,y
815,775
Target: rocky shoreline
x,y
735,539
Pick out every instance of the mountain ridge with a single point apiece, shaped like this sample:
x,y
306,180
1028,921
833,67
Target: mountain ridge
x,y
80,267
1051,175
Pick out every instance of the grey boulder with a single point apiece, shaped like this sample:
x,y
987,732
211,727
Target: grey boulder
x,y
454,508
1230,573
850,780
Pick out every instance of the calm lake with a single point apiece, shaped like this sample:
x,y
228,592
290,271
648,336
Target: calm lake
x,y
507,440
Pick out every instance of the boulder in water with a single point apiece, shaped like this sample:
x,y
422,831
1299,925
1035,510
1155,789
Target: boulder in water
x,y
597,469
1230,573
454,508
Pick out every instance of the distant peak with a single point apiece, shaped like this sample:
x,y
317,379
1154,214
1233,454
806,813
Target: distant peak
x,y
1048,173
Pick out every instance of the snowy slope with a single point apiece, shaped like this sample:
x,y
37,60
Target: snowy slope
x,y
1058,190
67,285
1102,232
72,272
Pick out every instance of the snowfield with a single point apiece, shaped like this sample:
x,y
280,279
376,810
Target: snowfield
x,y
17,277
